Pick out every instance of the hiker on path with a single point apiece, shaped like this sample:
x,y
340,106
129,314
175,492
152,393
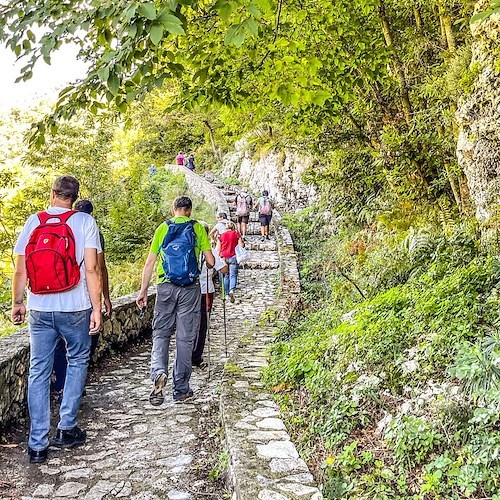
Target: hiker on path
x,y
190,162
179,241
180,158
58,307
226,248
265,207
60,360
207,298
243,203
152,171
220,227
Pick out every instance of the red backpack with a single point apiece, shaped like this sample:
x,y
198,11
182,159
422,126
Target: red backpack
x,y
51,264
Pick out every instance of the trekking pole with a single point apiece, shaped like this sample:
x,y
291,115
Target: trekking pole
x,y
224,312
207,305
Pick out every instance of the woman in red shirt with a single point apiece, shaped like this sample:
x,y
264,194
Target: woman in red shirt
x,y
226,245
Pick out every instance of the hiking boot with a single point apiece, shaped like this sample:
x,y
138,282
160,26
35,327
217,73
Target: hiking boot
x,y
181,398
267,236
69,438
263,238
156,397
231,296
38,457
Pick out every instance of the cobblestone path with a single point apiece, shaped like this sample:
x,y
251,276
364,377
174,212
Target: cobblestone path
x,y
138,451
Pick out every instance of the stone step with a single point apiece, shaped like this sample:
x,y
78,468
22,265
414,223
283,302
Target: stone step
x,y
262,260
257,244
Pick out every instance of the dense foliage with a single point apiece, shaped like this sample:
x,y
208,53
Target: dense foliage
x,y
395,395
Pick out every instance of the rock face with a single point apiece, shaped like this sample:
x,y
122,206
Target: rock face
x,y
478,147
278,172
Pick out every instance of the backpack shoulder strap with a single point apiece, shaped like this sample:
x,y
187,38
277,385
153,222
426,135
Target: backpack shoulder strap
x,y
45,216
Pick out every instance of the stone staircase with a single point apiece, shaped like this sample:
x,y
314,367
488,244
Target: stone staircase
x,y
141,452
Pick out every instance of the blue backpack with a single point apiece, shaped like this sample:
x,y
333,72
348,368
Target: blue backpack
x,y
179,257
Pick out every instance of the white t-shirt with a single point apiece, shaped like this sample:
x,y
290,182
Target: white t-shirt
x,y
219,264
221,226
86,235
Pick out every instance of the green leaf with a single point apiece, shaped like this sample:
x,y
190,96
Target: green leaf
x,y
480,16
113,83
103,73
235,36
156,33
148,10
320,97
225,8
252,27
254,11
172,24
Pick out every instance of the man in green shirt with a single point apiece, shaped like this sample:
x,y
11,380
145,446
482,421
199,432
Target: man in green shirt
x,y
177,307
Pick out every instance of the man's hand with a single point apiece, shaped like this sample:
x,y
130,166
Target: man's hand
x,y
108,307
95,321
142,299
18,314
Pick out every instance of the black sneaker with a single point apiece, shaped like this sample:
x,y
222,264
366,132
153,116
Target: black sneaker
x,y
181,398
156,397
69,438
37,457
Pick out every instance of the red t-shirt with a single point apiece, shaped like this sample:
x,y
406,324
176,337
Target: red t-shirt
x,y
228,242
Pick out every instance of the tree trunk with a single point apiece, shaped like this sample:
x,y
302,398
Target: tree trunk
x,y
454,188
405,95
215,150
447,27
418,18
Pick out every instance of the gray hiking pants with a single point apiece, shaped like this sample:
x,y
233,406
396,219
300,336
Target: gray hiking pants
x,y
177,309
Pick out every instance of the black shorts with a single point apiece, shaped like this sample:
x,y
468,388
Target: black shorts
x,y
265,220
243,219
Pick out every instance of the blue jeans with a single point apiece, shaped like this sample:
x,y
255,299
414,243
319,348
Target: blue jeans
x,y
231,278
46,328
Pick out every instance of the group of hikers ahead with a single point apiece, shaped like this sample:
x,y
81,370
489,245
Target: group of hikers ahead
x,y
60,259
187,161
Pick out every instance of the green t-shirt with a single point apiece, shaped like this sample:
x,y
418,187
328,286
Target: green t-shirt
x,y
202,243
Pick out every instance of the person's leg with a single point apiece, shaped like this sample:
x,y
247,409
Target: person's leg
x,y
188,324
74,327
238,224
60,365
262,219
199,344
226,282
43,339
233,273
94,342
163,328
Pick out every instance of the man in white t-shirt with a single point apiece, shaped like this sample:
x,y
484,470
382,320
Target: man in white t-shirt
x,y
73,315
207,297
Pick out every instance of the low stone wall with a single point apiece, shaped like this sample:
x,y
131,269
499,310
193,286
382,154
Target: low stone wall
x,y
202,187
124,326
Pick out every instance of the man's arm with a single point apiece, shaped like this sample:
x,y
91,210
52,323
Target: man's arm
x,y
147,272
209,258
94,285
18,312
105,282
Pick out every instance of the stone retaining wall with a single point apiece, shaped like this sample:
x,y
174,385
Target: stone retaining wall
x,y
123,327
